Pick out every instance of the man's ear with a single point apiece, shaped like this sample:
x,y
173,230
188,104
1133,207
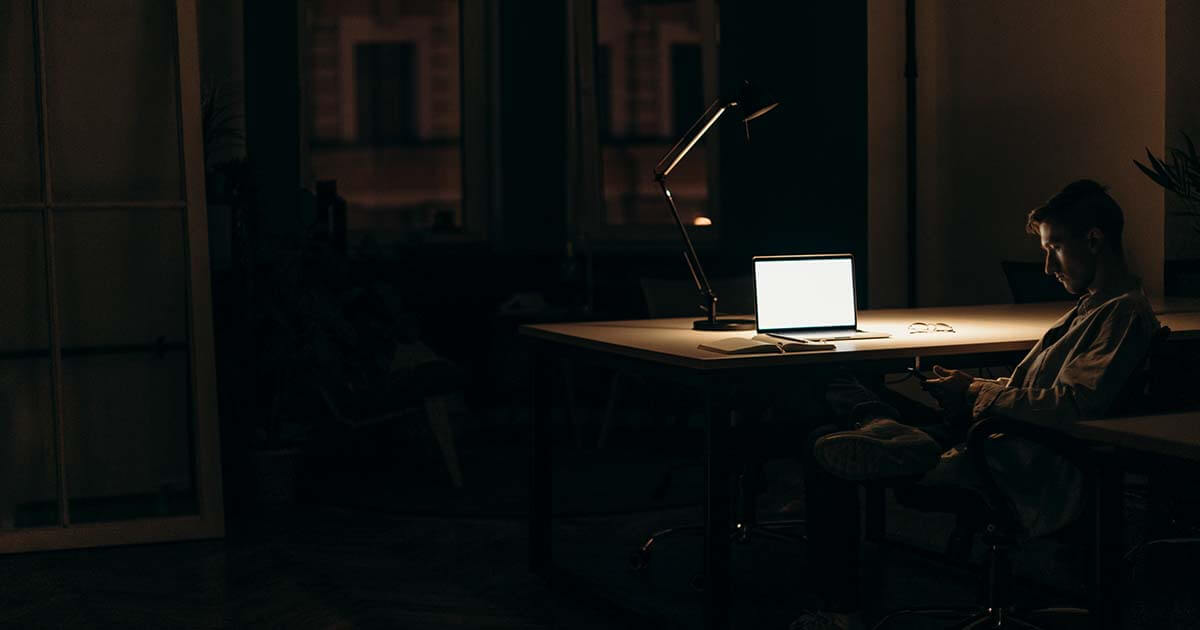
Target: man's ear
x,y
1094,239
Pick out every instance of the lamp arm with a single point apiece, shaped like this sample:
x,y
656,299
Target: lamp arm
x,y
668,164
664,168
689,254
689,139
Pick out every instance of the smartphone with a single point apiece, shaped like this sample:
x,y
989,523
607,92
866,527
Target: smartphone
x,y
919,374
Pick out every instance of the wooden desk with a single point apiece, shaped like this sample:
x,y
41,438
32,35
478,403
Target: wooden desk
x,y
978,330
1170,439
1174,435
666,348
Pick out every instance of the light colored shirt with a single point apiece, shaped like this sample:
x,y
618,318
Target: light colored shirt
x,y
1076,371
1079,367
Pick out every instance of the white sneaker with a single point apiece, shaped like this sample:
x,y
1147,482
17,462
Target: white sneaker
x,y
880,449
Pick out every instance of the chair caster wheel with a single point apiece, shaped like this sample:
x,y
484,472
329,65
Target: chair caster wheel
x,y
698,583
639,560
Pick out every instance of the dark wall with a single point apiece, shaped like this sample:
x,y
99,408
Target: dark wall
x,y
532,127
273,116
800,184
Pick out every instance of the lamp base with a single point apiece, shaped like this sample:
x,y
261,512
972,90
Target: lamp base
x,y
724,324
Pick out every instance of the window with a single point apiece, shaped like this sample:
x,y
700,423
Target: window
x,y
385,115
650,84
687,87
385,86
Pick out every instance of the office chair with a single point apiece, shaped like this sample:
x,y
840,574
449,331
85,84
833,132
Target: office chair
x,y
990,507
749,483
1028,282
1001,526
675,298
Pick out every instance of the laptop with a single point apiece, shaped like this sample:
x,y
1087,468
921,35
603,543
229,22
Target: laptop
x,y
807,298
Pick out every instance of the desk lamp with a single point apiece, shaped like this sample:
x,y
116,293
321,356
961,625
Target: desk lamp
x,y
753,103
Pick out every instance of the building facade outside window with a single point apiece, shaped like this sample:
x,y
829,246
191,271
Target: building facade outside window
x,y
385,113
650,79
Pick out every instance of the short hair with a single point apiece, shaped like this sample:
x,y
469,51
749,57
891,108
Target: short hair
x,y
1080,206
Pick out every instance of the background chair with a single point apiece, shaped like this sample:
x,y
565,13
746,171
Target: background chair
x,y
749,440
1028,282
676,298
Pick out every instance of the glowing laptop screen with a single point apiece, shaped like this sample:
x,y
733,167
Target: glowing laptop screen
x,y
804,292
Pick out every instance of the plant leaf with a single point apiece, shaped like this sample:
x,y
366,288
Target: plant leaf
x,y
1151,174
1158,166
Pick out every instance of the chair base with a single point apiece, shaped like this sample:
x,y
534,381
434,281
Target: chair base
x,y
775,529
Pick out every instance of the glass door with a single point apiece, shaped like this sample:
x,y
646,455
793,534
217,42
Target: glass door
x,y
106,368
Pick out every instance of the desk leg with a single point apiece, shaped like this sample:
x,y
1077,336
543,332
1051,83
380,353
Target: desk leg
x,y
1110,535
716,515
540,386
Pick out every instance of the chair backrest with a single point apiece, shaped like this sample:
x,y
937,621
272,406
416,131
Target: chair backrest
x,y
1144,393
678,298
1028,283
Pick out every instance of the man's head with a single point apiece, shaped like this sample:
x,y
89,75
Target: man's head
x,y
1080,230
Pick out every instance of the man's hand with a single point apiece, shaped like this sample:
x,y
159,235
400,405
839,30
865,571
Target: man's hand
x,y
949,387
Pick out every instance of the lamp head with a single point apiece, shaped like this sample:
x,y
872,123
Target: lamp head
x,y
754,101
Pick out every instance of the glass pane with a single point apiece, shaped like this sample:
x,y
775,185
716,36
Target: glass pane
x,y
650,89
23,316
111,100
128,437
20,162
122,277
28,478
385,113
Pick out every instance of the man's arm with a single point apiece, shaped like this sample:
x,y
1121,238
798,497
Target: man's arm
x,y
1085,387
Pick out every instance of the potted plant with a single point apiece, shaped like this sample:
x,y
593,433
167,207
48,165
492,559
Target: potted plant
x,y
1178,173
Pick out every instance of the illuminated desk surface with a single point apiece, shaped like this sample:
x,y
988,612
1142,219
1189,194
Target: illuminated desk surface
x,y
978,329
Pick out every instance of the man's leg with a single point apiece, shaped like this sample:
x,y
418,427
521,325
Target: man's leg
x,y
879,442
832,503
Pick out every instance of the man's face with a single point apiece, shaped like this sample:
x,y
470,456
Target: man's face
x,y
1070,259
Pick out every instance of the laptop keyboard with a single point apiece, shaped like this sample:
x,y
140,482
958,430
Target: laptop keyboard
x,y
838,335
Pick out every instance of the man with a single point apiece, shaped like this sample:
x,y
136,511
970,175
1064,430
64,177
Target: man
x,y
1076,371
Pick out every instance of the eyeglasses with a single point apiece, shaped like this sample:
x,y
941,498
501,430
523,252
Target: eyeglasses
x,y
922,327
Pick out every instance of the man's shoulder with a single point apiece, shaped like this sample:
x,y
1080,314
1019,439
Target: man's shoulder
x,y
1128,305
1133,298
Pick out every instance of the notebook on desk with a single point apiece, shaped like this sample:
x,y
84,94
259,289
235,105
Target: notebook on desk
x,y
808,298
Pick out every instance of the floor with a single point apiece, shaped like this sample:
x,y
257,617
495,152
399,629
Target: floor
x,y
393,546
